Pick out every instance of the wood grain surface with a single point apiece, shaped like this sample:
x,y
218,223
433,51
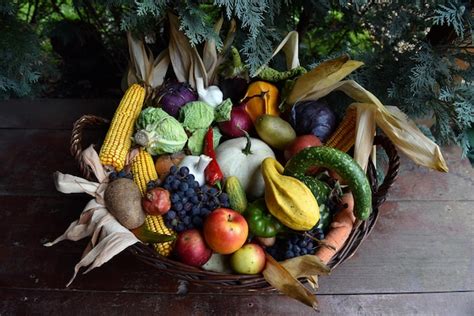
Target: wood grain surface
x,y
418,260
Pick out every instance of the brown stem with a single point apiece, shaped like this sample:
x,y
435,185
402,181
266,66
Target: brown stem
x,y
320,242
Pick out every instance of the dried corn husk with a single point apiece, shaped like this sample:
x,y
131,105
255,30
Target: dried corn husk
x,y
185,59
371,112
187,64
305,266
145,68
283,280
289,46
108,236
209,53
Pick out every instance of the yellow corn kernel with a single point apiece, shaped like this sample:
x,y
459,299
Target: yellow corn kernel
x,y
143,170
118,140
156,224
344,136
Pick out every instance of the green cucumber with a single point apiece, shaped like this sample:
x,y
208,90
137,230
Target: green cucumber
x,y
341,163
319,189
236,193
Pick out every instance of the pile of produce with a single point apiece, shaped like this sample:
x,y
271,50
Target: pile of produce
x,y
222,183
233,174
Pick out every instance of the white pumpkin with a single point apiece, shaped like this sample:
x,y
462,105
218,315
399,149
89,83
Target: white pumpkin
x,y
242,157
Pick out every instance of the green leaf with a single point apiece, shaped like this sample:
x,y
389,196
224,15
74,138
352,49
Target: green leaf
x,y
196,141
217,136
196,115
223,110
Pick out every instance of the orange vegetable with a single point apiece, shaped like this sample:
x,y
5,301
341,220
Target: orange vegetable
x,y
341,228
261,98
165,162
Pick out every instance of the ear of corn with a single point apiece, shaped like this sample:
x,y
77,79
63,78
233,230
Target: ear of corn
x,y
344,136
156,224
143,170
118,140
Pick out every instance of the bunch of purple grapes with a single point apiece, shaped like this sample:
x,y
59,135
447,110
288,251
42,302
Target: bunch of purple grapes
x,y
190,203
296,244
121,174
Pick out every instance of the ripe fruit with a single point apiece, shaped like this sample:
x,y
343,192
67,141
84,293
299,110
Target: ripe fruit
x,y
275,131
225,230
191,248
250,259
156,201
300,143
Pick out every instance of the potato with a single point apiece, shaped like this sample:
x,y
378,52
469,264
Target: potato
x,y
124,201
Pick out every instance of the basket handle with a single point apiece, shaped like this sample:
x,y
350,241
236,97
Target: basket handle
x,y
76,141
380,192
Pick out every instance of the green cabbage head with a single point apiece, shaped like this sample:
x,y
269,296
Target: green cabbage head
x,y
159,132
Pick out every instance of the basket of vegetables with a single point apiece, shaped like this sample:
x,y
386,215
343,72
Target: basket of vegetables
x,y
233,182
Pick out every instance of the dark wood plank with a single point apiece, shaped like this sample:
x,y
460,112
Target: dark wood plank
x,y
28,222
27,302
415,247
51,113
420,183
30,157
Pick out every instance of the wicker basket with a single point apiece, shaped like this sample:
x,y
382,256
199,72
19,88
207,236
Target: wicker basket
x,y
239,283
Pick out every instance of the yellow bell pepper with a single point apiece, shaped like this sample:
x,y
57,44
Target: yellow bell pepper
x,y
261,98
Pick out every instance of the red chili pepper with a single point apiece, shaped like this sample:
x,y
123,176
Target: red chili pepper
x,y
213,172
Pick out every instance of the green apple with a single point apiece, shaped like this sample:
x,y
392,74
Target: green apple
x,y
250,259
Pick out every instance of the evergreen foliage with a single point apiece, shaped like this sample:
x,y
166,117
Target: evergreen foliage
x,y
418,55
20,54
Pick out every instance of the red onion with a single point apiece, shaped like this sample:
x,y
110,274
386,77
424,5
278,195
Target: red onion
x,y
239,120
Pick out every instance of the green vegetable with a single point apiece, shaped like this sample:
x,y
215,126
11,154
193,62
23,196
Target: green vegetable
x,y
199,115
236,193
319,189
196,141
196,115
222,112
261,222
159,132
344,165
325,217
273,75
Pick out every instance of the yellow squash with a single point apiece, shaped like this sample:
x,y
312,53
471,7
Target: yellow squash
x,y
288,199
261,98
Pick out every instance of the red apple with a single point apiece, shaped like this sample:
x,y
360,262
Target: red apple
x,y
191,248
250,259
225,230
300,143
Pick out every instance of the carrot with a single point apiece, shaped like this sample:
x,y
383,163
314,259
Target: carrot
x,y
340,229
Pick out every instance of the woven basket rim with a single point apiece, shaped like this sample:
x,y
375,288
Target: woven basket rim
x,y
237,282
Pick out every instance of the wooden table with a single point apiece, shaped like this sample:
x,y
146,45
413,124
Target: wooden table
x,y
418,260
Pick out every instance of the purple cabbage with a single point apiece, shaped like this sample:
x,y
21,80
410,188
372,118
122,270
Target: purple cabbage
x,y
313,117
173,95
